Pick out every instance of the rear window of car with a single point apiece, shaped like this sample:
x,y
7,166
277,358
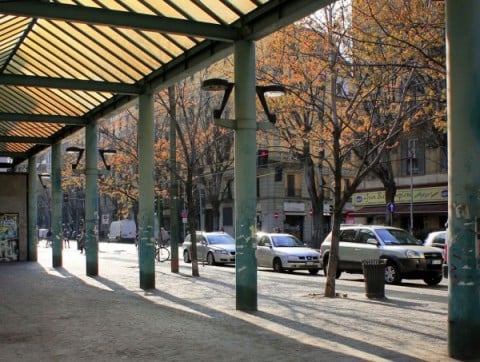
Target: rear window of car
x,y
440,238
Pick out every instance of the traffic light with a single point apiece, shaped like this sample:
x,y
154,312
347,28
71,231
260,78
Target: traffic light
x,y
65,197
262,158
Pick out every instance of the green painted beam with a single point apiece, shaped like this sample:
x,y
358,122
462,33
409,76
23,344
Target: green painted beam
x,y
68,83
32,233
56,205
91,199
43,118
245,176
146,191
18,139
463,92
98,16
276,14
14,155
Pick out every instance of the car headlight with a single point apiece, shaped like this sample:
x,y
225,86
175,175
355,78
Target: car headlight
x,y
220,251
413,254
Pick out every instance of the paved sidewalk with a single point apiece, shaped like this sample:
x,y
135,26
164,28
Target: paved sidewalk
x,y
49,314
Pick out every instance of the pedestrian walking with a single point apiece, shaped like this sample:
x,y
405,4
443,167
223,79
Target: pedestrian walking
x,y
81,241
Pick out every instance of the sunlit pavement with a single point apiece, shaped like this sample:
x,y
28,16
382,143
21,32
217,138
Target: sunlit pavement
x,y
293,322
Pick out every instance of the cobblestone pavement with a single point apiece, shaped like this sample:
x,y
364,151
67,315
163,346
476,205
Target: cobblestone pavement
x,y
49,314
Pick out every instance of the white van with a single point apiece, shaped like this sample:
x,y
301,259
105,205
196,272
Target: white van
x,y
122,231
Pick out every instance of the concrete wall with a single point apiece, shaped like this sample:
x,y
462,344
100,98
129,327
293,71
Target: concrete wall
x,y
13,200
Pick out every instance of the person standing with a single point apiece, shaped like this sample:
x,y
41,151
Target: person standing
x,y
66,238
81,241
49,238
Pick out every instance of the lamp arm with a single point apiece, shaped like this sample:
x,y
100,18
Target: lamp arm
x,y
218,112
261,95
79,157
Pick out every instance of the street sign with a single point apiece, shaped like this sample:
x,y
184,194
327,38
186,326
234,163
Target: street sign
x,y
391,207
105,219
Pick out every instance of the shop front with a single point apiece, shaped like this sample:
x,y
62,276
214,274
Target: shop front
x,y
423,209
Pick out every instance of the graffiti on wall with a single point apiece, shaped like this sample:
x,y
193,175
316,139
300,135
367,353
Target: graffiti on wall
x,y
8,237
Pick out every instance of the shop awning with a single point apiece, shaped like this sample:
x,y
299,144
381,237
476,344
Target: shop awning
x,y
423,208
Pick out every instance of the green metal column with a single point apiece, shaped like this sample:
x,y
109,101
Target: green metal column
x,y
91,191
56,222
146,195
32,235
463,68
245,176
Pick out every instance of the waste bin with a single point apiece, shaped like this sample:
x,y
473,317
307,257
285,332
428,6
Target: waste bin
x,y
374,274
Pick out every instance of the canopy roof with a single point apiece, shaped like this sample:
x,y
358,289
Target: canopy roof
x,y
64,63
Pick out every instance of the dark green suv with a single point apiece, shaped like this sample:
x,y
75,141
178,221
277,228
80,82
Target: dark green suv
x,y
406,257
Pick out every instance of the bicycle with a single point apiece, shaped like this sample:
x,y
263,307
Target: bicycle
x,y
162,253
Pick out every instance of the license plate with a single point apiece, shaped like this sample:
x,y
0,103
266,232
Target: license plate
x,y
310,263
436,262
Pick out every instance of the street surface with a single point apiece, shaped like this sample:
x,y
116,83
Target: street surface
x,y
198,319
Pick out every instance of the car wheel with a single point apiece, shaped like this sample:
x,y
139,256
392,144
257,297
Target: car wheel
x,y
325,268
277,265
433,279
313,271
392,274
210,259
186,257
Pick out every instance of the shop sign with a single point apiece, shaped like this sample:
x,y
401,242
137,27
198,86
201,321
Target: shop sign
x,y
420,194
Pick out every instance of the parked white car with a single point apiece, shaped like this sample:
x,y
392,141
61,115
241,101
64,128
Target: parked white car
x,y
213,247
285,252
436,239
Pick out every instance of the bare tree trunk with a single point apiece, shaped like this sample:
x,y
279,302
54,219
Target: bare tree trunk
x,y
192,222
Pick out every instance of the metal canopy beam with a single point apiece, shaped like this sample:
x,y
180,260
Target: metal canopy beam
x,y
90,15
43,118
66,83
14,155
19,139
277,14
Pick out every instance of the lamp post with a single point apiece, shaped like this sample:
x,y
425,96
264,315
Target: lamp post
x,y
79,152
91,201
262,91
245,126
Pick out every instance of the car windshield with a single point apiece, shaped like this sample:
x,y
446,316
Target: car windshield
x,y
397,237
220,239
287,241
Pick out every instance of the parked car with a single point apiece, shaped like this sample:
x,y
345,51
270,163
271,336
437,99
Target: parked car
x,y
445,261
406,257
436,239
285,252
213,247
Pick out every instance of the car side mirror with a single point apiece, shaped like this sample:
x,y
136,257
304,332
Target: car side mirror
x,y
372,242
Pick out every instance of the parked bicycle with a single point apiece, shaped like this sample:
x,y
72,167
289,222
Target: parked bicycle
x,y
162,252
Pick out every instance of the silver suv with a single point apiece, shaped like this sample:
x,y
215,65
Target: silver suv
x,y
406,256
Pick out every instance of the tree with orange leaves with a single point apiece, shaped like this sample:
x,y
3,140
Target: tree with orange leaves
x,y
348,103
